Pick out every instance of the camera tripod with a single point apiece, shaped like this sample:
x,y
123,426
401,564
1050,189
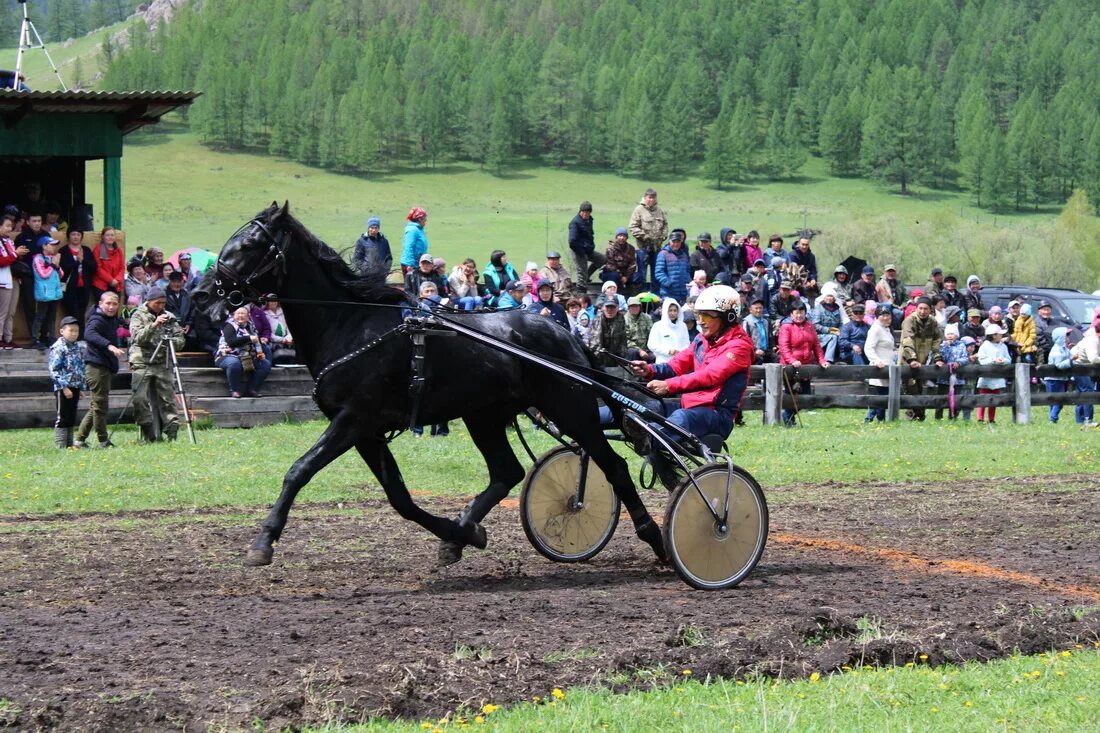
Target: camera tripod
x,y
181,396
25,31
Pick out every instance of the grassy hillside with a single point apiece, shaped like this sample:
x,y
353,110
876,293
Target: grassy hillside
x,y
37,67
178,193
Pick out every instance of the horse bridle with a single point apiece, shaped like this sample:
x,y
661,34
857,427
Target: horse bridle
x,y
238,291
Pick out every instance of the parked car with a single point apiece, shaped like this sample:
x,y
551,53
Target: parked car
x,y
1070,307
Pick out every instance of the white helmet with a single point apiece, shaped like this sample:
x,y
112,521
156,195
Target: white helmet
x,y
720,299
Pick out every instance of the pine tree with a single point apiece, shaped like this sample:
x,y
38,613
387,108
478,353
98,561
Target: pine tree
x,y
744,140
895,143
839,138
995,171
500,140
719,161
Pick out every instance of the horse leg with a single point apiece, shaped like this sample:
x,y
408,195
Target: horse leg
x,y
378,456
585,430
339,436
491,439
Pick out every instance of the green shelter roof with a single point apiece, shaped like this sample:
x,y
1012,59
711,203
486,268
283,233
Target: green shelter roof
x,y
131,110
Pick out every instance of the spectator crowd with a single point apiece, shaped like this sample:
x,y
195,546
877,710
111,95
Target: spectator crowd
x,y
648,276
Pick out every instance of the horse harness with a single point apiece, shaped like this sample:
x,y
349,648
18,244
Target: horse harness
x,y
417,329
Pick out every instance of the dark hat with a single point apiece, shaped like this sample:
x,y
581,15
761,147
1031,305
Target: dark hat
x,y
951,279
514,285
786,284
155,294
924,301
746,278
759,261
69,321
754,301
175,275
884,309
621,230
858,308
868,270
704,237
545,284
650,192
47,239
937,271
427,258
604,302
676,236
1044,304
12,210
687,314
553,255
586,206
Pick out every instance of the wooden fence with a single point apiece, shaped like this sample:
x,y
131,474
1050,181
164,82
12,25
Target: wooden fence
x,y
1020,394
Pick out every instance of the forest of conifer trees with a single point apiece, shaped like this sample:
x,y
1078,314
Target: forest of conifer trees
x,y
996,97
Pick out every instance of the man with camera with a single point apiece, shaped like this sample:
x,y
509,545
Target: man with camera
x,y
151,326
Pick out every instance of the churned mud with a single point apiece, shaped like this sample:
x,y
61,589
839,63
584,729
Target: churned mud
x,y
148,621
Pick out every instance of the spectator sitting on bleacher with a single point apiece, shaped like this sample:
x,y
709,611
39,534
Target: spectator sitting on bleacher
x,y
66,364
530,277
281,340
973,325
558,276
827,318
465,290
638,327
101,363
137,283
425,272
611,290
544,305
759,329
262,327
240,355
865,288
496,276
621,261
853,335
162,282
512,297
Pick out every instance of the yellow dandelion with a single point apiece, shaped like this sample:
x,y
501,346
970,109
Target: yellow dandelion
x,y
1078,646
479,719
923,657
557,693
968,704
1067,654
908,665
426,725
489,708
943,685
935,709
686,673
815,677
1060,673
846,668
536,699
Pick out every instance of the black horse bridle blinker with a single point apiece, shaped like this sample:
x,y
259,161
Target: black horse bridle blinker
x,y
237,291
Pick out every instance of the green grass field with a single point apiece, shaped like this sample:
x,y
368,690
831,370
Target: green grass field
x,y
1052,692
245,467
178,193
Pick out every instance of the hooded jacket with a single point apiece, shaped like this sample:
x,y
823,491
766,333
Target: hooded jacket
x,y
668,337
731,254
1023,333
709,374
557,313
1059,356
673,273
496,280
919,338
414,244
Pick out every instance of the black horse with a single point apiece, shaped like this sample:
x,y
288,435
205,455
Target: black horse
x,y
346,330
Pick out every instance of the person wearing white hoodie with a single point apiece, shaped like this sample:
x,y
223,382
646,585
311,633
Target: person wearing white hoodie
x,y
668,335
1086,351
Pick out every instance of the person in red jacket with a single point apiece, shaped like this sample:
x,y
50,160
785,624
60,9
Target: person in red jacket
x,y
798,345
710,375
110,271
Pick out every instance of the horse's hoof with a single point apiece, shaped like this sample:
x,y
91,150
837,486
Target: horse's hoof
x,y
477,536
257,557
449,553
650,533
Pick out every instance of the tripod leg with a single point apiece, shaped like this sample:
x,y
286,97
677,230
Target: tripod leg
x,y
180,394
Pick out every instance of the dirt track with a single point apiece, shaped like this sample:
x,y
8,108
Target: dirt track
x,y
149,621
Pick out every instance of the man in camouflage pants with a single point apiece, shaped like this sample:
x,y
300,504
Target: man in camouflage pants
x,y
152,379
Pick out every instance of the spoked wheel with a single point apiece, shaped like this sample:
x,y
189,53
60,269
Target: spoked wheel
x,y
705,554
557,525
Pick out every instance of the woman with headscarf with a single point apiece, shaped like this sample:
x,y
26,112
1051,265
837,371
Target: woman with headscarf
x,y
414,243
668,335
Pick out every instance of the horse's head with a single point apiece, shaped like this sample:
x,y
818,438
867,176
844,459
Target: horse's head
x,y
251,265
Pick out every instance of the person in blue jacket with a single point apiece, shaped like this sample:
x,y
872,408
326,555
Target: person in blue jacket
x,y
673,270
543,305
372,246
414,244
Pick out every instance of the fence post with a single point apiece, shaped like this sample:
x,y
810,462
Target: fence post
x,y
773,393
893,399
1023,393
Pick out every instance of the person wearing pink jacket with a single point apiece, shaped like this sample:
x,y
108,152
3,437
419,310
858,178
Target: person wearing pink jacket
x,y
799,345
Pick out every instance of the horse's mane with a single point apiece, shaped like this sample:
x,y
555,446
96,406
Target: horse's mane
x,y
368,286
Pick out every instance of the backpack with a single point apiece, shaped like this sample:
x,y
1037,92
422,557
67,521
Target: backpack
x,y
47,288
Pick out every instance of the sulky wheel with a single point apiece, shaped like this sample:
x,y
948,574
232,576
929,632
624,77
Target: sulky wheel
x,y
705,554
561,528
